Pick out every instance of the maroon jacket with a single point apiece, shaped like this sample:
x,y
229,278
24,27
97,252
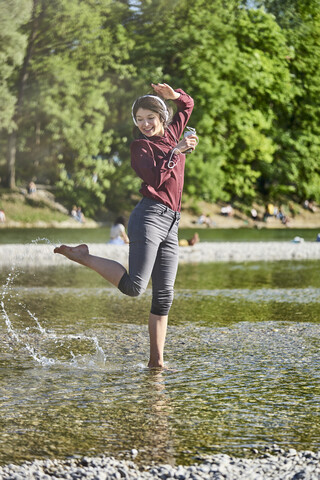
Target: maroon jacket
x,y
150,157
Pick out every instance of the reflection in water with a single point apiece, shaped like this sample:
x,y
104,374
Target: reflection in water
x,y
158,441
243,360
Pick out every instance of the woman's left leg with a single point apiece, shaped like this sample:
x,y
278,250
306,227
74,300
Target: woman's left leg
x,y
157,335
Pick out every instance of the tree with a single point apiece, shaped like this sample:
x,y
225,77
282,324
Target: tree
x,y
297,158
232,60
13,13
65,87
12,46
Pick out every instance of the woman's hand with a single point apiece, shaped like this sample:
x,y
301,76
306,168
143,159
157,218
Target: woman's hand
x,y
165,91
191,141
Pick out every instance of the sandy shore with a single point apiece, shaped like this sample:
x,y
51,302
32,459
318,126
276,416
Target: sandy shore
x,y
31,255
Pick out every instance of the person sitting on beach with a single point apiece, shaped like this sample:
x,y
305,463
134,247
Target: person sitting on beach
x,y
80,216
2,216
192,241
157,157
254,214
32,188
227,211
202,219
282,216
73,212
118,234
311,207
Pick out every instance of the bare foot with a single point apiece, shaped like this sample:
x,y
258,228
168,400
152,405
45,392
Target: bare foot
x,y
156,365
76,254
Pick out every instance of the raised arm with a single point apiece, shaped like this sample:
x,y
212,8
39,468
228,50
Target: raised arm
x,y
165,91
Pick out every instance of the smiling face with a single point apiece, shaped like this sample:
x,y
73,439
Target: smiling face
x,y
149,122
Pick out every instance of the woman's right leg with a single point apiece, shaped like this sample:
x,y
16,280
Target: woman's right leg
x,y
142,253
108,269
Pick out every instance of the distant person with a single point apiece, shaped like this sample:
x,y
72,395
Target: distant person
x,y
32,188
270,209
202,219
192,241
73,212
2,216
118,234
80,216
254,214
282,216
306,204
227,211
311,207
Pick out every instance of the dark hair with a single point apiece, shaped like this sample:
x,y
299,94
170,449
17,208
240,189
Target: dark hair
x,y
119,220
152,103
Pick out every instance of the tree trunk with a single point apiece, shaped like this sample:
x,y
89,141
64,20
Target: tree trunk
x,y
12,139
11,160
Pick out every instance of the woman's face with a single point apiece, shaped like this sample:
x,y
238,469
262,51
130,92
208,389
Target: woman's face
x,y
149,122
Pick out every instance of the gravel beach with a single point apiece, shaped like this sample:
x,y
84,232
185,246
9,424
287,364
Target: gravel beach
x,y
275,464
31,255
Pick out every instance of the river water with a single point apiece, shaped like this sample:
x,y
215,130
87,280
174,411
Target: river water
x,y
243,357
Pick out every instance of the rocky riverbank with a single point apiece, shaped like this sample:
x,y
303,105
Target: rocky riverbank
x,y
31,255
275,464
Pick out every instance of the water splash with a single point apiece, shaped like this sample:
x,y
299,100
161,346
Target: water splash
x,y
32,315
43,360
44,239
26,340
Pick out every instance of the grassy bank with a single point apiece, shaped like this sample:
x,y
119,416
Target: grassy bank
x,y
41,210
37,209
24,209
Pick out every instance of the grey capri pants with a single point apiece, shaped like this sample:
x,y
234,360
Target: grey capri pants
x,y
153,252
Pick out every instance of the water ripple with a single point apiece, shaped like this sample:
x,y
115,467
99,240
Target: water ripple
x,y
281,295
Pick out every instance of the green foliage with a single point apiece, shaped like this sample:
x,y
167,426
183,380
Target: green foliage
x,y
252,68
237,72
296,161
79,52
13,13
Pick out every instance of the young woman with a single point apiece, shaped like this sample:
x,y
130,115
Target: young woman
x,y
157,156
118,234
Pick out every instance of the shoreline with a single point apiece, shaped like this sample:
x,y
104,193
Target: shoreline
x,y
41,255
272,464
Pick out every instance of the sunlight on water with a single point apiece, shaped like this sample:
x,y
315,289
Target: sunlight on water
x,y
242,353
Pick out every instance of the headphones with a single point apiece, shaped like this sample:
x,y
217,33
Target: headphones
x,y
165,108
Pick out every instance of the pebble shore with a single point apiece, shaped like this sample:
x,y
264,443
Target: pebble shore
x,y
31,255
273,464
